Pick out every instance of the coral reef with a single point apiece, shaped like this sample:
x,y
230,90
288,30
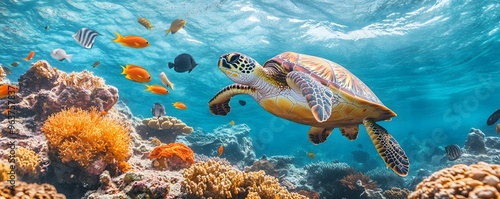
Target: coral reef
x,y
212,179
396,193
386,178
323,176
475,142
173,156
25,190
165,128
351,181
47,90
461,181
86,137
238,147
274,166
4,170
27,163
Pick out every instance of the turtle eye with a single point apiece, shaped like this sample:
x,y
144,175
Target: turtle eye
x,y
234,58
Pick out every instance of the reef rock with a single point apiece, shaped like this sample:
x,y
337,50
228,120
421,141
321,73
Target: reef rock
x,y
238,147
165,128
475,142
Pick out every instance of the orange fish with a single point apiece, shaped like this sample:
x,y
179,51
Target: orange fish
x,y
311,155
180,105
157,89
7,89
7,111
103,113
32,53
136,73
221,149
132,41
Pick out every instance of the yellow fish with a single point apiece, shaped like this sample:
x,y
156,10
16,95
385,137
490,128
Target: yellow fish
x,y
311,155
231,123
145,22
175,26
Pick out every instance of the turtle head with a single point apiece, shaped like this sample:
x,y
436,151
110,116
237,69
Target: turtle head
x,y
238,67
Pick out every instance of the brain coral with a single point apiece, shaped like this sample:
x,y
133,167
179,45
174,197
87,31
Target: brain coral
x,y
214,180
25,190
27,162
172,156
461,181
87,137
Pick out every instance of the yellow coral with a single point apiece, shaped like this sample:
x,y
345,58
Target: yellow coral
x,y
83,80
215,180
4,169
168,123
461,181
87,136
27,162
25,190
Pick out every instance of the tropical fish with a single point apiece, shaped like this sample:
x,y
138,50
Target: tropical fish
x,y
231,123
158,110
46,27
498,128
7,89
179,105
86,37
311,155
242,102
166,81
32,53
157,89
145,22
131,41
14,64
221,149
175,26
493,118
61,55
453,152
96,64
136,73
182,63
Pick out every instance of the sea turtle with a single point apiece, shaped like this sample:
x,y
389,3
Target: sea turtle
x,y
313,91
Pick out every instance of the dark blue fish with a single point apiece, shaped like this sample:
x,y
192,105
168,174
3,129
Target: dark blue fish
x,y
242,102
158,110
86,37
453,152
493,118
182,63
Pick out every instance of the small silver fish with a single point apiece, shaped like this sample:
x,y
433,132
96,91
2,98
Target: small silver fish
x,y
164,79
61,55
158,110
96,64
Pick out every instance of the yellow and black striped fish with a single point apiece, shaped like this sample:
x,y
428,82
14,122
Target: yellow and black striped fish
x,y
145,22
453,152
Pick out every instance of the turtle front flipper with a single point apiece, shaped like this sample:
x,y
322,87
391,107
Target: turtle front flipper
x,y
219,104
318,135
319,98
388,148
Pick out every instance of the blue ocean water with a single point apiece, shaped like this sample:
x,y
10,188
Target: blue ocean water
x,y
435,63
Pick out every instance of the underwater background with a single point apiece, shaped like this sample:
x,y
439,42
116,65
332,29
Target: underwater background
x,y
434,63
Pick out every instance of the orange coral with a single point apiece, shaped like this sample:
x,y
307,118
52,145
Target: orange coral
x,y
172,156
28,163
461,181
87,137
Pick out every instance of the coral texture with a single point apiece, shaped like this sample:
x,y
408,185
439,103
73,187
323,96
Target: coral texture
x,y
173,156
49,90
25,190
27,163
165,128
274,166
461,181
215,180
4,169
351,181
87,137
396,193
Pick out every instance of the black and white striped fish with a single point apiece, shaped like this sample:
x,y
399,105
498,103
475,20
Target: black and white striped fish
x,y
453,152
86,37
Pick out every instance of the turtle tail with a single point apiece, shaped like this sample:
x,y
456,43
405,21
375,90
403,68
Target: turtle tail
x,y
388,148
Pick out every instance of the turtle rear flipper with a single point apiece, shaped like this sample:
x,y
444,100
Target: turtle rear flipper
x,y
388,148
319,98
219,104
350,132
318,135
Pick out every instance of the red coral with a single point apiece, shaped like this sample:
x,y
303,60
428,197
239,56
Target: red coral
x,y
172,156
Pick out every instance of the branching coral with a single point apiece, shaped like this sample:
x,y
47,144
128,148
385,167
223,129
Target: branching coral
x,y
27,163
461,181
165,128
172,156
25,190
87,137
215,180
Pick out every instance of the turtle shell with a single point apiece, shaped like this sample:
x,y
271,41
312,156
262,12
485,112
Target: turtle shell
x,y
328,73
